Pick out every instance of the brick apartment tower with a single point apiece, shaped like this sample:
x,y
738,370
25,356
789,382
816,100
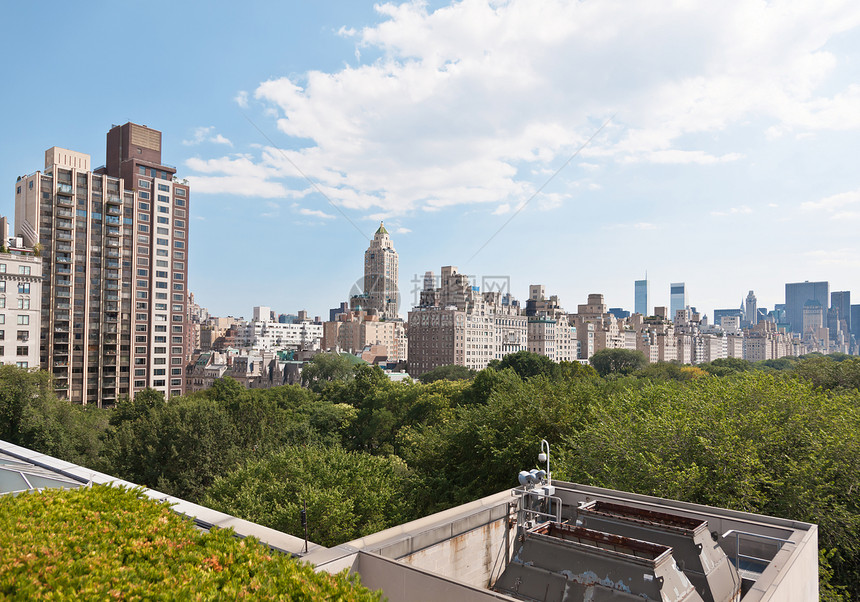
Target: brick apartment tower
x,y
160,258
114,267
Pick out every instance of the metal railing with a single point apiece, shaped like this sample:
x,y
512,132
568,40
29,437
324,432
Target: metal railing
x,y
780,542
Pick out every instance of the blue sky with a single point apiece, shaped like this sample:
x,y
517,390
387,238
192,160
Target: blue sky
x,y
729,160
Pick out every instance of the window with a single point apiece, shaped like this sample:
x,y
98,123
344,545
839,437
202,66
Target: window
x,y
142,283
2,318
2,286
24,269
159,349
177,328
142,294
160,328
159,274
2,268
21,364
179,244
140,361
162,263
140,317
140,327
143,272
2,302
178,297
179,191
159,339
179,233
23,288
177,317
176,350
159,360
23,303
176,371
140,383
143,194
160,285
163,198
163,220
23,335
23,350
161,306
178,276
162,252
140,339
143,206
177,307
176,360
141,170
180,203
175,340
163,231
179,223
143,238
143,261
144,217
142,228
162,241
24,320
140,351
163,188
159,371
163,209
158,383
140,371
143,184
178,286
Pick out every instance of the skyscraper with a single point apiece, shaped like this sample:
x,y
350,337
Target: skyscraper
x,y
677,298
751,309
381,275
642,289
114,267
841,302
796,296
160,256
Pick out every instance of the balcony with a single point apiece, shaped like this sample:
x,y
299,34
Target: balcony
x,y
61,365
64,188
61,329
65,200
62,258
63,270
112,242
64,247
114,198
63,212
63,235
63,282
110,297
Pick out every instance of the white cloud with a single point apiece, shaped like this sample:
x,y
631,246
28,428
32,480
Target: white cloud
x,y
840,206
241,99
204,134
402,230
479,101
743,210
502,209
315,213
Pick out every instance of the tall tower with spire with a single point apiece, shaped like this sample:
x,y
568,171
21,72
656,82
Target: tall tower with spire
x,y
381,275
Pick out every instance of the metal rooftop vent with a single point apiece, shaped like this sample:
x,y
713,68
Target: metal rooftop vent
x,y
558,562
695,550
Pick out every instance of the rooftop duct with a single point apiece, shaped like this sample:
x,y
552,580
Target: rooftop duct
x,y
558,562
695,550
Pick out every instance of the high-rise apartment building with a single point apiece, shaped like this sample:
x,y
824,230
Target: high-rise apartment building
x,y
114,267
642,290
160,256
796,296
381,275
677,297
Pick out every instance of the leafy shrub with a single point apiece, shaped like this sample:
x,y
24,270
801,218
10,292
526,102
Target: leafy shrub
x,y
104,542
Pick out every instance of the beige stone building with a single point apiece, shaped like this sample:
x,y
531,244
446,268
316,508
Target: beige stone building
x,y
20,307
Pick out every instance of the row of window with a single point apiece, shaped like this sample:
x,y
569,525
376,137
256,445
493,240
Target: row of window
x,y
22,269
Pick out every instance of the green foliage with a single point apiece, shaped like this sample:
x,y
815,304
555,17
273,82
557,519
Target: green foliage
x,y
754,442
326,368
102,542
525,363
833,373
348,494
618,361
481,449
178,447
726,366
451,372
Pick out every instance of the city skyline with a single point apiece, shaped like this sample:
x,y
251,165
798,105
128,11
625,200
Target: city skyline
x,y
721,166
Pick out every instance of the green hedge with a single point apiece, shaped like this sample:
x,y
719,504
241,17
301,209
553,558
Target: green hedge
x,y
111,543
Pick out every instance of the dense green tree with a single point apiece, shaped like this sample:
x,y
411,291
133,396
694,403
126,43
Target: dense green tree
x,y
452,372
18,388
348,494
178,447
618,361
325,368
525,363
830,373
727,365
754,442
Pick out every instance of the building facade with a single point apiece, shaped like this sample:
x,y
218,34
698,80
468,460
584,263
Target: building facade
x,y
642,291
20,308
381,265
113,246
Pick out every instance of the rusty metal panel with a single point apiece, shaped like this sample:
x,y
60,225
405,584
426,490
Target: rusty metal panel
x,y
565,563
697,553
